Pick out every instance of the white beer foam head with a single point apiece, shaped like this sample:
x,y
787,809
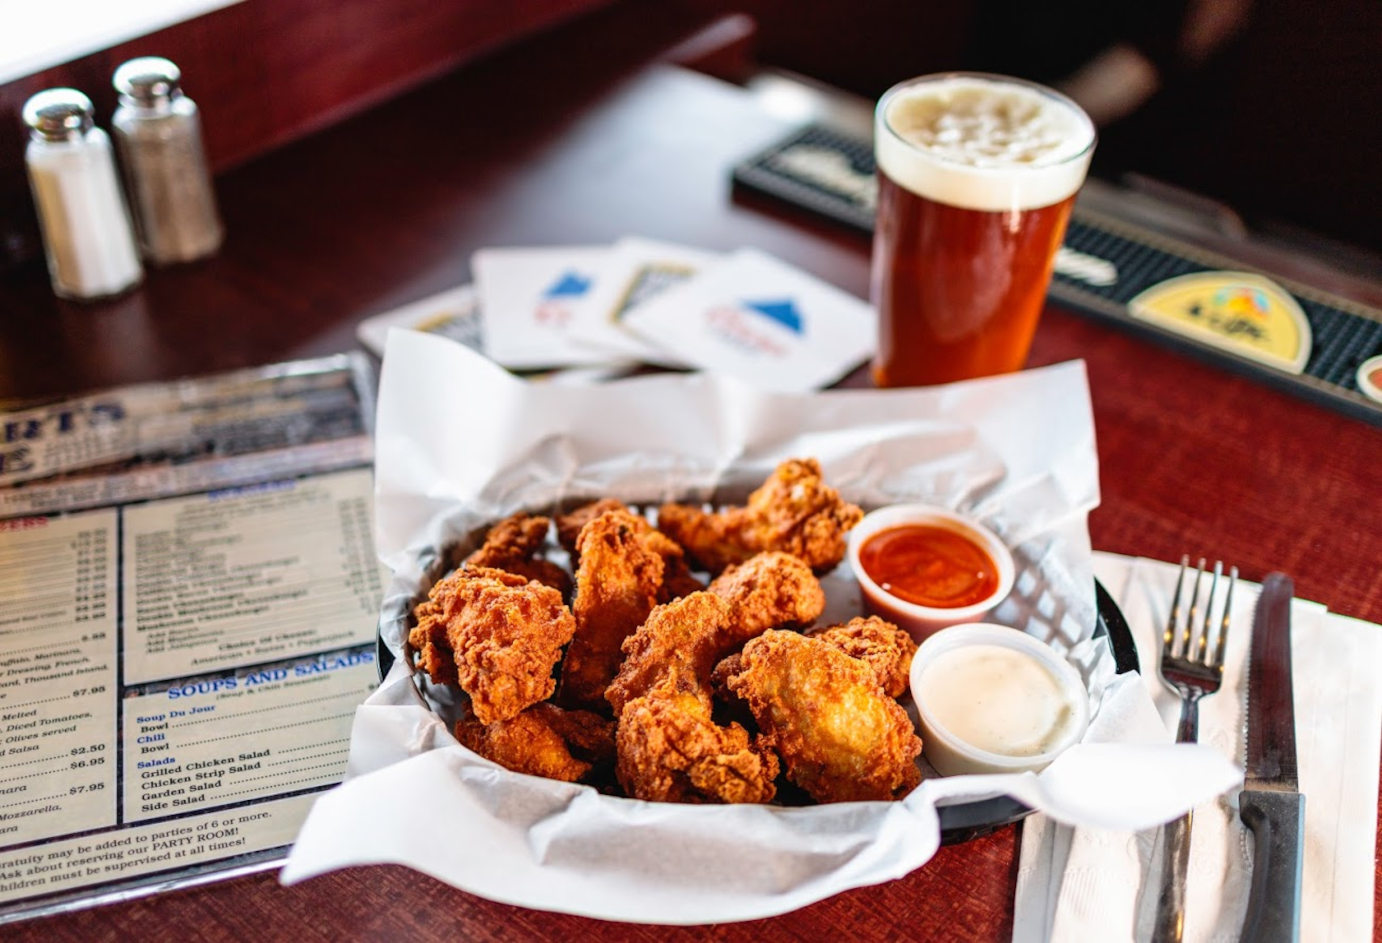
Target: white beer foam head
x,y
983,142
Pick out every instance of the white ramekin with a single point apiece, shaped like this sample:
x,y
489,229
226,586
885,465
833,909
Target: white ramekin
x,y
951,755
919,620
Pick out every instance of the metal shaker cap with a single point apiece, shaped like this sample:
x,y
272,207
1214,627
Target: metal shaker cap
x,y
58,114
148,80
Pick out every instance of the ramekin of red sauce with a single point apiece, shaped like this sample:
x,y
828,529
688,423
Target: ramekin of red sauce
x,y
926,568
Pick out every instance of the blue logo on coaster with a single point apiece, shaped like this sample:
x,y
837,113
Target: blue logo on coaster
x,y
784,312
569,285
742,326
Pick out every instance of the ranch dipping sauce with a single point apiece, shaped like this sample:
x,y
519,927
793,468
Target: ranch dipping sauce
x,y
998,699
993,699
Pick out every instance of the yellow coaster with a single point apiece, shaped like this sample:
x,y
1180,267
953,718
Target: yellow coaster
x,y
1239,312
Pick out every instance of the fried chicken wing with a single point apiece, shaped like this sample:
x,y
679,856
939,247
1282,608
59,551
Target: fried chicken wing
x,y
617,585
887,649
496,635
669,750
771,590
681,641
569,524
727,706
726,668
543,740
431,647
839,736
793,511
512,545
676,648
677,578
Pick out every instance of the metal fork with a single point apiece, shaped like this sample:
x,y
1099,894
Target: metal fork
x,y
1192,669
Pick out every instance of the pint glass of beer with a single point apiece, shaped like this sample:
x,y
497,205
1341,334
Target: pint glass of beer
x,y
976,177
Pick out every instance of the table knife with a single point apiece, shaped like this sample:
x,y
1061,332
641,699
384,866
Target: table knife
x,y
1270,803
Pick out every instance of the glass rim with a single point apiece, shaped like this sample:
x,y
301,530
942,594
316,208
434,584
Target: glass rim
x,y
881,117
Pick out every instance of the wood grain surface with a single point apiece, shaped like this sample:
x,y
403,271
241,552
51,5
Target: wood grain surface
x,y
387,208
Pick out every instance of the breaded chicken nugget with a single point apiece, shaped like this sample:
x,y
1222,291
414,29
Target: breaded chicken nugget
x,y
512,545
569,524
771,590
677,578
676,648
543,740
681,641
887,649
495,634
839,736
794,511
617,585
669,750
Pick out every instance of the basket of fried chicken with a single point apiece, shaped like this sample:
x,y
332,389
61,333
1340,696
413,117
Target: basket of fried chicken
x,y
631,678
679,658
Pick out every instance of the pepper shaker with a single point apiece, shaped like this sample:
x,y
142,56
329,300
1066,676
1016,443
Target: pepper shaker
x,y
87,236
158,134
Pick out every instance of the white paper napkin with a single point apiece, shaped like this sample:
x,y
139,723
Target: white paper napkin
x,y
1085,883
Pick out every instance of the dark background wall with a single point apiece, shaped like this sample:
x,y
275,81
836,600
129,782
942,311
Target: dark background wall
x,y
1280,120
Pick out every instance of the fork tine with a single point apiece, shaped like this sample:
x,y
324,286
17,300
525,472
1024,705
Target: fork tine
x,y
1202,633
1183,649
1218,660
1168,639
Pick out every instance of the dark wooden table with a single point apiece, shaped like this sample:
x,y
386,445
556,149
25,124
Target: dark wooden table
x,y
581,137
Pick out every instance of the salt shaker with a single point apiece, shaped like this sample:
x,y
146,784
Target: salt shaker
x,y
158,135
87,235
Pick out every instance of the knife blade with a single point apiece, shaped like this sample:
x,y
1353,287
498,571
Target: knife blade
x,y
1270,803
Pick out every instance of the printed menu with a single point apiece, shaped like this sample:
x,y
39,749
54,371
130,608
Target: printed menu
x,y
188,602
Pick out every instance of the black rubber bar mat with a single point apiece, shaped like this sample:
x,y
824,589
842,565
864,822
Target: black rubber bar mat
x,y
1291,335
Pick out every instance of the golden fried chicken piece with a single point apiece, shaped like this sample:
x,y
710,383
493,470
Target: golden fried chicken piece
x,y
839,736
728,667
887,649
669,750
431,648
569,525
676,648
681,641
726,705
617,585
677,579
543,740
771,590
512,545
793,511
495,634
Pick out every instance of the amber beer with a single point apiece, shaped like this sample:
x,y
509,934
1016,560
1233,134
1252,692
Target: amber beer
x,y
976,175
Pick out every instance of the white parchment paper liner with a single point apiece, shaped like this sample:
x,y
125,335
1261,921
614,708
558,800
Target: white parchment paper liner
x,y
461,443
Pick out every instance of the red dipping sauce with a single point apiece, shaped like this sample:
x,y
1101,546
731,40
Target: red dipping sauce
x,y
930,566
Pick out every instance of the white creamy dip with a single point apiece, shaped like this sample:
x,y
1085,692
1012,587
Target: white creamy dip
x,y
997,699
